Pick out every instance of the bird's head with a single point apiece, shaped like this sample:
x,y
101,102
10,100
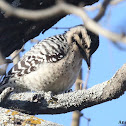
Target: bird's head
x,y
86,41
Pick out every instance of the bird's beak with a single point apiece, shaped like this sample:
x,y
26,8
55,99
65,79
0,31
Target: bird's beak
x,y
88,61
86,56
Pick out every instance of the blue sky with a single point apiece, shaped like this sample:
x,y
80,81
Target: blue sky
x,y
105,62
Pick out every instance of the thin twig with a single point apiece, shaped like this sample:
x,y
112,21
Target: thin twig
x,y
30,14
92,25
102,10
61,27
98,6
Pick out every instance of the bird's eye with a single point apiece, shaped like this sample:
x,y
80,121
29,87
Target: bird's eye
x,y
80,35
85,46
73,39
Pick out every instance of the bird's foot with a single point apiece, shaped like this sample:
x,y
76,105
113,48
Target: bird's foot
x,y
51,97
41,95
38,97
47,96
53,100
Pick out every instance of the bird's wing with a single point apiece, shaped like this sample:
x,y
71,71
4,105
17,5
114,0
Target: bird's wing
x,y
49,50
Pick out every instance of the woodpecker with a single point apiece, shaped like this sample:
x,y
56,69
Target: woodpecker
x,y
54,63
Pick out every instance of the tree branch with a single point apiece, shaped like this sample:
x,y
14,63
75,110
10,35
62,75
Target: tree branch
x,y
92,25
66,8
58,11
14,118
102,10
98,6
30,14
67,102
15,32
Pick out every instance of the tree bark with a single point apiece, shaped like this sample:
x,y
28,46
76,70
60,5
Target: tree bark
x,y
15,118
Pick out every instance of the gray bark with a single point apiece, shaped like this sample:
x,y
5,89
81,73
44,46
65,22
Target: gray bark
x,y
14,118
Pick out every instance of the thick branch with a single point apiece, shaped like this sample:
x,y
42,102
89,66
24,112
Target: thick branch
x,y
67,102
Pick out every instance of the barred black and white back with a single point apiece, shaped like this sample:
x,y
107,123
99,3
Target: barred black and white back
x,y
49,50
52,60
